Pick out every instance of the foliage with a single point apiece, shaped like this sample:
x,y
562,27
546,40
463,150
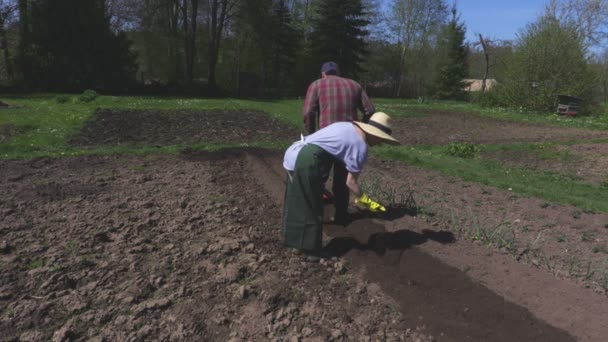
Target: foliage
x,y
62,60
62,99
338,34
415,25
88,95
462,149
452,66
270,41
489,98
549,60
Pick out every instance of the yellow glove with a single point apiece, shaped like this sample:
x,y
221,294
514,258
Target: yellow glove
x,y
370,204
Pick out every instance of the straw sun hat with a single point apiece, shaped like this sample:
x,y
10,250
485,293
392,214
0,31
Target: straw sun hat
x,y
379,125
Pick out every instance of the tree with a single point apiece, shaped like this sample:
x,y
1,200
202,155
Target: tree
x,y
189,20
588,18
602,73
8,10
414,25
218,14
74,47
452,66
285,42
338,34
549,59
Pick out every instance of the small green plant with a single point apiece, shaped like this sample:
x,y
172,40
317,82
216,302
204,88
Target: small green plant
x,y
34,264
599,249
587,236
576,214
10,312
462,150
561,238
72,248
545,205
88,95
606,226
62,99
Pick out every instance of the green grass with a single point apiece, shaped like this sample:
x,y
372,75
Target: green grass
x,y
599,122
53,122
550,187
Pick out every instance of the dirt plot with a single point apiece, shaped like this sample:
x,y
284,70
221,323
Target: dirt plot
x,y
581,162
176,248
7,131
168,248
152,127
439,128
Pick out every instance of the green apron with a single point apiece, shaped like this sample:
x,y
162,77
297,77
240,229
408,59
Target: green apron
x,y
303,208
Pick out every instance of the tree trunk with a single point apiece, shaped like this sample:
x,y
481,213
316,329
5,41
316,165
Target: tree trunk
x,y
24,64
189,28
484,44
217,16
6,53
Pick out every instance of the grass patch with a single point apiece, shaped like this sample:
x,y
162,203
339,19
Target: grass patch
x,y
552,188
53,121
599,122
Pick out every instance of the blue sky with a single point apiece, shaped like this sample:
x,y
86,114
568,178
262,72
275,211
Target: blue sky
x,y
498,19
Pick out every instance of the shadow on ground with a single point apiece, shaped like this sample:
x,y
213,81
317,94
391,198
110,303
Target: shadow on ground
x,y
382,242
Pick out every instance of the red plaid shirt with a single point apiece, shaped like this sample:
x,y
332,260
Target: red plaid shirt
x,y
335,99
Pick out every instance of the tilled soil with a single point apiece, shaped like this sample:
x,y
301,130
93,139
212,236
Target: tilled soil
x,y
171,249
188,248
153,127
439,128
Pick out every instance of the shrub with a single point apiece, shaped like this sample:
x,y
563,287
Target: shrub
x,y
88,96
489,98
62,99
462,149
549,59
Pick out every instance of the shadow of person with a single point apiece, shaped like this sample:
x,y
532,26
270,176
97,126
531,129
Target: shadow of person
x,y
382,242
392,213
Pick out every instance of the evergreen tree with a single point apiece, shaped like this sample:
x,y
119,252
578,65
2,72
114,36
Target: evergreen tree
x,y
285,43
339,32
452,65
74,47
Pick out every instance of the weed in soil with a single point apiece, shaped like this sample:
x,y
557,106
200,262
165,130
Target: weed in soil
x,y
587,236
561,238
462,150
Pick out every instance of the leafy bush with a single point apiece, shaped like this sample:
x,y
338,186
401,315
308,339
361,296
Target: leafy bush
x,y
62,99
489,98
462,150
549,59
88,96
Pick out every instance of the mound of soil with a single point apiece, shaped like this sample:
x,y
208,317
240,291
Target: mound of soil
x,y
151,127
439,128
7,131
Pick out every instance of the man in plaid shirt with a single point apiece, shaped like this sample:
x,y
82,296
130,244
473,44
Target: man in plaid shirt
x,y
332,99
